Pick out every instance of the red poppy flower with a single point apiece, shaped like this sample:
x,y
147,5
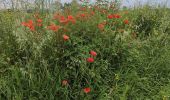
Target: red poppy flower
x,y
82,15
54,27
116,16
32,28
101,26
63,20
64,82
110,16
71,19
90,60
29,24
93,53
92,13
87,90
65,37
39,24
126,21
24,24
39,20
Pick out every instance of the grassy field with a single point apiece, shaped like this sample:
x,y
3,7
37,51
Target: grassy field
x,y
85,54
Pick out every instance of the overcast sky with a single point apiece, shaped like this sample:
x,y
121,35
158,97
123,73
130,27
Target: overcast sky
x,y
134,2
130,3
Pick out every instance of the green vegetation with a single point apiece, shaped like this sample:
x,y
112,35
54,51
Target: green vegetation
x,y
132,62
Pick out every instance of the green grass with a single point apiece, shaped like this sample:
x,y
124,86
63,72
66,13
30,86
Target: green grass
x,y
34,64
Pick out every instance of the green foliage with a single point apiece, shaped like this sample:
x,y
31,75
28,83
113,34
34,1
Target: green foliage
x,y
33,64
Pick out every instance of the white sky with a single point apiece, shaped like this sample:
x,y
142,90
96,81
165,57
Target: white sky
x,y
124,2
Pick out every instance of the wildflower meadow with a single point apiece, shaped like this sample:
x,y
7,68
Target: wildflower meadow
x,y
85,52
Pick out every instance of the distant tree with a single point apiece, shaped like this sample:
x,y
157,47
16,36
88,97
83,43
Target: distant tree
x,y
56,6
39,4
108,3
124,8
4,3
66,5
74,4
12,4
